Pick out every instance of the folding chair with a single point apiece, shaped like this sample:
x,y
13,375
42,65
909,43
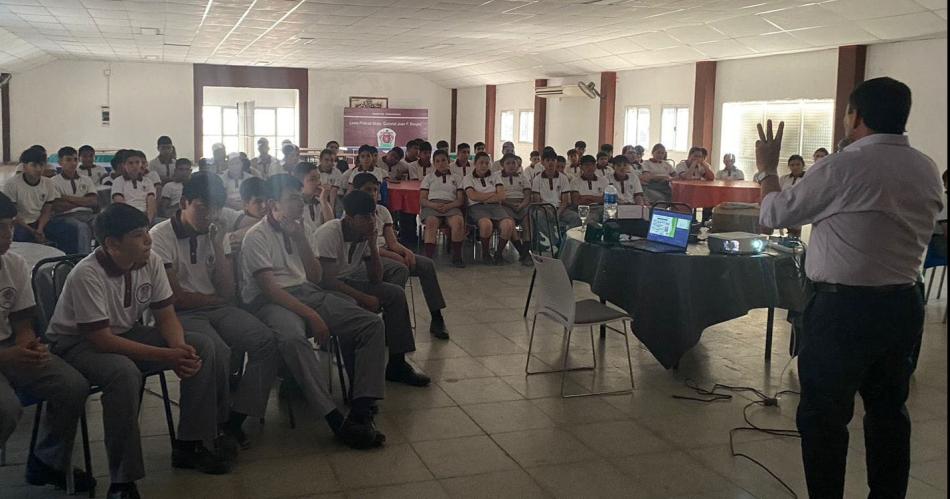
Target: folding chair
x,y
556,302
936,258
545,237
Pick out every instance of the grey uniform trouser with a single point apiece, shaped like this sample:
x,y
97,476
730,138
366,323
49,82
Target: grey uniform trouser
x,y
82,221
392,299
362,344
63,391
233,328
397,273
121,380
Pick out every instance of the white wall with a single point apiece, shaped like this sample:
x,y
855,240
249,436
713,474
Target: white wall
x,y
470,120
58,103
922,65
654,88
570,119
514,97
330,91
262,97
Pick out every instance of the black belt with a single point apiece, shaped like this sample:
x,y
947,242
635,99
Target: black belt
x,y
822,287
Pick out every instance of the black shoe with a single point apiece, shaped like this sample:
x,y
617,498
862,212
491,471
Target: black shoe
x,y
123,491
437,329
39,473
360,434
526,259
402,372
458,263
199,458
227,445
238,435
488,260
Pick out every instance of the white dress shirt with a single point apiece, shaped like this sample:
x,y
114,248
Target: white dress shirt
x,y
873,206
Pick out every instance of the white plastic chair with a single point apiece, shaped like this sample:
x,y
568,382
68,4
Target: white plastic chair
x,y
556,302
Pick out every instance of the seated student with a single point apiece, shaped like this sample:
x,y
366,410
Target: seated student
x,y
264,162
796,167
478,147
317,208
630,152
280,275
389,160
656,176
729,170
442,146
589,189
506,148
820,153
602,165
408,168
331,179
485,195
88,166
562,168
534,166
364,164
233,178
164,163
291,157
152,178
517,198
424,164
352,266
694,167
246,166
581,147
573,168
554,188
399,262
201,276
96,329
340,162
78,198
607,149
254,195
461,167
171,191
131,188
48,170
116,164
27,367
441,199
629,190
34,196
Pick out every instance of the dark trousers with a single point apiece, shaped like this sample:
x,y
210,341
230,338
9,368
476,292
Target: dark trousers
x,y
858,342
408,232
63,235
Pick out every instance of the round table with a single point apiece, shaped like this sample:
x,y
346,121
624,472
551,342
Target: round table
x,y
674,297
33,253
404,196
709,193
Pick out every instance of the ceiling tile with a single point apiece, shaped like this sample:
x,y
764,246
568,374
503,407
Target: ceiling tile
x,y
871,9
906,26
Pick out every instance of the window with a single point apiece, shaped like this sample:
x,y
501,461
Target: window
x,y
674,132
526,127
636,127
220,125
508,126
809,124
276,125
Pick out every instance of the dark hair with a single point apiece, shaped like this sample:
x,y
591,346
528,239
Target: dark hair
x,y
602,154
883,104
561,159
164,140
183,161
548,148
133,153
588,159
640,150
67,151
657,147
332,142
694,150
441,145
361,179
440,152
415,143
33,155
480,155
254,187
572,152
365,148
548,154
302,168
479,144
821,149
358,203
398,151
606,147
620,160
7,207
117,159
796,157
278,184
533,154
508,156
463,145
203,164
207,187
288,149
704,151
37,146
580,144
245,162
326,152
425,146
117,220
87,147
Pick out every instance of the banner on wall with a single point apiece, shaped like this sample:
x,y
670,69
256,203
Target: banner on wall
x,y
384,128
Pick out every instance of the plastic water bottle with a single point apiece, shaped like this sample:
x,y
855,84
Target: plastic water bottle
x,y
610,203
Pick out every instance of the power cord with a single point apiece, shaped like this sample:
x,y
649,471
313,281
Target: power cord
x,y
715,395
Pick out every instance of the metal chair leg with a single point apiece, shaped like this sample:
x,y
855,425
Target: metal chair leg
x,y
534,275
338,356
412,304
626,339
531,344
933,273
943,275
593,382
567,352
37,417
86,454
593,347
168,407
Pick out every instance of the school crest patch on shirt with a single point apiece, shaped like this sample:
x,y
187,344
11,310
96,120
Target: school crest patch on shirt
x,y
7,297
144,292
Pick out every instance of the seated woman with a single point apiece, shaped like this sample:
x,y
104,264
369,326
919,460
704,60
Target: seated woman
x,y
441,199
517,198
819,153
796,167
656,174
485,194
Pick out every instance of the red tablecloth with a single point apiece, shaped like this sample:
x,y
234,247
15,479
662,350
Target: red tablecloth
x,y
707,194
404,197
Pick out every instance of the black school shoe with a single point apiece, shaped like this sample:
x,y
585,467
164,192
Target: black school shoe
x,y
227,445
402,372
188,456
360,433
437,329
458,263
39,473
123,491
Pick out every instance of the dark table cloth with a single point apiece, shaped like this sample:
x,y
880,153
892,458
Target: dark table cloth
x,y
672,298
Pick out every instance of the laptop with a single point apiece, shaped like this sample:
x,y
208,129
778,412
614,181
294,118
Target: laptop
x,y
669,233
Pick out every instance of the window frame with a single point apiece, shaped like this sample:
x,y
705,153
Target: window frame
x,y
501,125
626,113
675,147
521,114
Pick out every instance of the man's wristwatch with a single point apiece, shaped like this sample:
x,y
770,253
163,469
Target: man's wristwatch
x,y
761,176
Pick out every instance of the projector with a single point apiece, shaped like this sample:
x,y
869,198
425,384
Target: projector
x,y
737,243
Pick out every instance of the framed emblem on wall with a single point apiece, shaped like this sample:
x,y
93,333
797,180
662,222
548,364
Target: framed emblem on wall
x,y
369,102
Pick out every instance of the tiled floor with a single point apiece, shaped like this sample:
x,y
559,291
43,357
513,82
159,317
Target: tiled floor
x,y
483,430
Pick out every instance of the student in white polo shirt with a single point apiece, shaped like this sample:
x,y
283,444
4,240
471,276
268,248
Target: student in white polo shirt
x,y
280,274
462,166
331,179
389,160
201,275
729,171
629,190
88,166
28,368
588,188
441,199
364,164
351,265
554,188
96,328
534,166
424,164
233,177
506,148
694,167
399,262
34,196
171,191
573,168
264,162
408,167
78,198
485,197
656,175
517,198
131,188
164,163
603,168
317,207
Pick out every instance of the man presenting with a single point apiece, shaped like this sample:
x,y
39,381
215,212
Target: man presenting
x,y
863,322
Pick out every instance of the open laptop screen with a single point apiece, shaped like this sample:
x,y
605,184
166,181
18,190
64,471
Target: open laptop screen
x,y
670,228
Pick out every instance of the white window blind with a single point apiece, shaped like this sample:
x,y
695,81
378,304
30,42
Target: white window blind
x,y
675,128
221,124
508,126
526,127
636,129
809,124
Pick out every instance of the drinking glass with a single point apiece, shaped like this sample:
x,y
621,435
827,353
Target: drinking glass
x,y
583,211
